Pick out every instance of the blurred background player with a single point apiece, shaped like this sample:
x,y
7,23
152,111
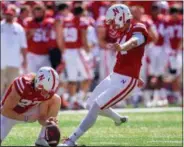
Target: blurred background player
x,y
31,98
157,58
13,46
24,14
38,34
139,15
75,46
174,51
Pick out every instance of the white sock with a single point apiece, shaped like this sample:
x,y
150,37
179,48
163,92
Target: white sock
x,y
178,96
80,97
77,133
61,91
147,96
81,94
110,113
163,94
156,96
42,132
86,123
73,99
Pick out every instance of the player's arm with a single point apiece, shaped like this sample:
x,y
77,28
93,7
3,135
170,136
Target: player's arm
x,y
180,45
59,34
153,33
101,33
84,40
136,40
49,109
24,55
23,42
10,103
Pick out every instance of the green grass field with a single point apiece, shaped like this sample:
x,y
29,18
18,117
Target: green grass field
x,y
143,129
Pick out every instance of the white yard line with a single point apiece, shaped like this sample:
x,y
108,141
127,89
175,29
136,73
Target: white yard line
x,y
164,141
131,110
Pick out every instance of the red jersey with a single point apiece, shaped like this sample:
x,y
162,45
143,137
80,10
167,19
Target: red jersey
x,y
52,37
147,21
111,34
160,27
145,4
29,97
98,8
73,27
174,32
129,62
23,22
39,42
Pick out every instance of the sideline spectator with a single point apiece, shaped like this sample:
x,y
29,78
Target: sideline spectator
x,y
13,44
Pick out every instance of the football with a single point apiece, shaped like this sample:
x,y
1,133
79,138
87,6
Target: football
x,y
52,135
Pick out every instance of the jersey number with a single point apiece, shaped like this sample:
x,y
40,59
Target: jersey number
x,y
70,34
23,103
40,35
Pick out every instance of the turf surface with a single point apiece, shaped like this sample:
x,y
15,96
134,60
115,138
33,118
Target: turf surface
x,y
143,129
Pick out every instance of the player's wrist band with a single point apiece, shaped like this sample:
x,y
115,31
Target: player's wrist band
x,y
26,118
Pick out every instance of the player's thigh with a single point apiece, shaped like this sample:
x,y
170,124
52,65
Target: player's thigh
x,y
116,93
84,69
43,60
100,88
33,111
63,77
180,59
54,107
71,65
6,126
161,57
104,64
32,62
50,108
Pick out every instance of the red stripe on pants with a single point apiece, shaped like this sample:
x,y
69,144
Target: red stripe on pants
x,y
118,95
124,95
85,65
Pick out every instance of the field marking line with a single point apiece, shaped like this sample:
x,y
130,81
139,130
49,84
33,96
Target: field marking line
x,y
128,110
171,141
